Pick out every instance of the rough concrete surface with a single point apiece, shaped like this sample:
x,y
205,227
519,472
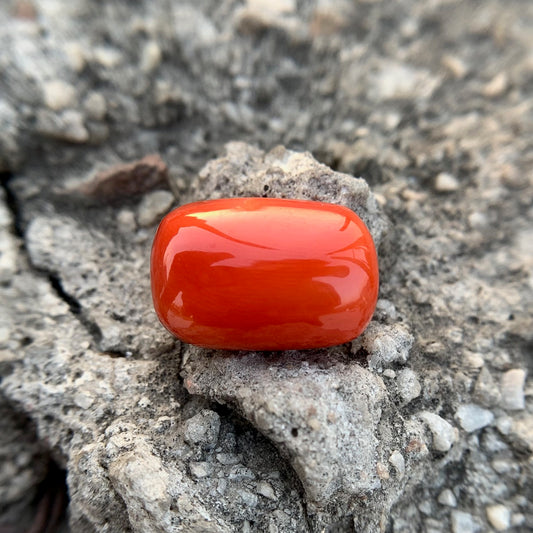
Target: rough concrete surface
x,y
416,115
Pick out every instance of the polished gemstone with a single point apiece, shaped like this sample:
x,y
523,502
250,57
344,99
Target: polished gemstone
x,y
264,274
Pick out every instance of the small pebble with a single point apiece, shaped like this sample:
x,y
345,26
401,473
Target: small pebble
x,y
512,389
249,499
398,462
478,220
497,86
126,221
68,125
444,434
240,472
474,360
75,55
408,385
499,517
425,507
472,417
382,471
447,497
107,57
83,400
59,95
387,344
199,470
522,430
228,458
485,390
153,206
504,424
445,182
202,428
386,307
95,105
266,490
518,519
151,56
455,65
502,466
464,523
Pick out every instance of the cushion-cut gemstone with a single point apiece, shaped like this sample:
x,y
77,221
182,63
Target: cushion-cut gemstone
x,y
264,274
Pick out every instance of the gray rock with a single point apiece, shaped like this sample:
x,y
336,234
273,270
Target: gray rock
x,y
447,497
445,182
444,434
80,348
265,489
512,389
68,125
486,390
472,417
409,387
202,428
153,206
85,259
464,523
200,470
317,436
398,462
386,344
281,173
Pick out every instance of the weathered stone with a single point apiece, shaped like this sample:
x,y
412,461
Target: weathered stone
x,y
314,435
472,417
128,179
512,389
409,387
80,349
281,173
444,434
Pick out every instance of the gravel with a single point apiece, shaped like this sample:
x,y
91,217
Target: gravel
x,y
472,417
499,517
417,115
512,389
444,434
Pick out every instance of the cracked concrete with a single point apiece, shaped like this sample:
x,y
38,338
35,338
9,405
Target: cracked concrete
x,y
435,115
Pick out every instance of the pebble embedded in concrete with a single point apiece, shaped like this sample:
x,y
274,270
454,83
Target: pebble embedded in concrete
x,y
485,389
408,385
398,462
151,56
444,434
472,417
95,105
499,517
202,428
386,344
265,489
463,522
512,389
59,95
153,206
445,182
447,497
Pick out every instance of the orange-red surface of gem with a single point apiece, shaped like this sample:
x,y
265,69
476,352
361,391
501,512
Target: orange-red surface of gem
x,y
264,274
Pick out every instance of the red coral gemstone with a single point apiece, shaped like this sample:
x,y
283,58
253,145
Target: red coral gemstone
x,y
264,274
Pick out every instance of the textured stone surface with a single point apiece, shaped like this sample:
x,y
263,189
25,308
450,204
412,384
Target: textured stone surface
x,y
312,406
429,102
281,173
